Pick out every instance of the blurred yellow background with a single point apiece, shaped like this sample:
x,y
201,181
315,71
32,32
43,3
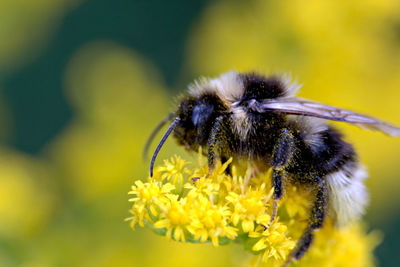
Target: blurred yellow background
x,y
84,82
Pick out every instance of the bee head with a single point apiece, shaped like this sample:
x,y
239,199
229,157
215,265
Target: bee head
x,y
196,118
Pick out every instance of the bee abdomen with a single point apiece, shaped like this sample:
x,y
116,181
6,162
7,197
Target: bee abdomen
x,y
348,195
338,163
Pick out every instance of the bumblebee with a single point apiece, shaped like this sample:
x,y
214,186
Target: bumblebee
x,y
251,117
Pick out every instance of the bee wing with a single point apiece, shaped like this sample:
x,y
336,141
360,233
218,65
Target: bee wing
x,y
299,106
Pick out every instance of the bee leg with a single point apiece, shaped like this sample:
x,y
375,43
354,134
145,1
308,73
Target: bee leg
x,y
282,156
277,177
316,220
213,141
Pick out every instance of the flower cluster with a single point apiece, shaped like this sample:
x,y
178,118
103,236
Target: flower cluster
x,y
191,205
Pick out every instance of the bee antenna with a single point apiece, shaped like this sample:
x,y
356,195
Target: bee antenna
x,y
170,129
153,134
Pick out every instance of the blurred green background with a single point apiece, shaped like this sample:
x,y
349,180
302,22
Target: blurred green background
x,y
84,81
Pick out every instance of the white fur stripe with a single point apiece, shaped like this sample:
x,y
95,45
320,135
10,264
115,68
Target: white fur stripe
x,y
348,196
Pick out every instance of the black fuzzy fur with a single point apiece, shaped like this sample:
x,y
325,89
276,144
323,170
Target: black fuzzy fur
x,y
259,87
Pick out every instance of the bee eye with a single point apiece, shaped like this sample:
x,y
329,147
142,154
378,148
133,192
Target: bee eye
x,y
201,114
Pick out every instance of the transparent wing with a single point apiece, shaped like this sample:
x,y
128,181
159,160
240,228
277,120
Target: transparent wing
x,y
299,106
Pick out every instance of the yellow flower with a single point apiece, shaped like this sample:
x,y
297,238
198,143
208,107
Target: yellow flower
x,y
204,186
274,241
148,197
250,207
173,170
349,246
218,208
210,221
174,218
299,202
